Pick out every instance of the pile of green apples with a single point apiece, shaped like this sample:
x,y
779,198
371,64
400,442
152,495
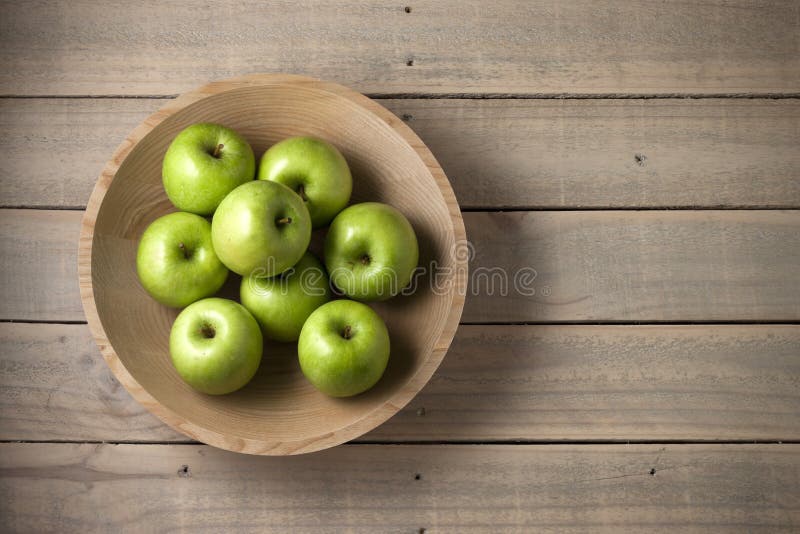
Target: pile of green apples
x,y
260,228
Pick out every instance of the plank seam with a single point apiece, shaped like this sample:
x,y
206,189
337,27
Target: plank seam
x,y
582,96
478,209
612,322
469,96
533,442
43,207
588,442
40,321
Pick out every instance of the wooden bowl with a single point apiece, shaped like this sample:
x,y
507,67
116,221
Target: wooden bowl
x,y
279,412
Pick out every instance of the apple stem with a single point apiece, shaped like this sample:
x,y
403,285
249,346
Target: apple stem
x,y
346,334
284,220
217,150
302,192
207,331
183,248
365,259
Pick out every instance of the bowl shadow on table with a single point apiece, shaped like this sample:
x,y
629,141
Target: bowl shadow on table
x,y
280,368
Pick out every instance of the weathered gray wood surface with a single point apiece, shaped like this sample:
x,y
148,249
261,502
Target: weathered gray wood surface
x,y
497,153
637,266
378,488
456,46
533,383
39,265
498,383
554,266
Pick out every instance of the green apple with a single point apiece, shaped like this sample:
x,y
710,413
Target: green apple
x,y
282,304
371,251
262,228
343,348
216,346
313,168
204,163
176,262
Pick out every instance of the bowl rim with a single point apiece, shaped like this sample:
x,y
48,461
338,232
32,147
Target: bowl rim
x,y
252,445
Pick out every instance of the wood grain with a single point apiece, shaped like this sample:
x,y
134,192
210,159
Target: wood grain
x,y
614,153
497,153
640,266
528,382
589,266
55,385
56,148
610,382
548,383
129,488
456,46
38,255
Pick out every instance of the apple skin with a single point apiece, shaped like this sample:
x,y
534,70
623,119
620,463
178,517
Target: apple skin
x,y
313,168
195,180
176,262
282,304
216,346
340,366
262,228
371,251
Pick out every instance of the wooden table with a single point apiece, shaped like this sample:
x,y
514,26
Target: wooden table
x,y
643,157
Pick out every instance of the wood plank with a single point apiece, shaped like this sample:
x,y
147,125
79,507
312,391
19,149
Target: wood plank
x,y
497,153
122,488
497,383
55,385
56,148
613,153
552,266
39,274
456,46
610,382
634,266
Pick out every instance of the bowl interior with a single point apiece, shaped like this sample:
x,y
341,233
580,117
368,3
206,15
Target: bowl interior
x,y
279,405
